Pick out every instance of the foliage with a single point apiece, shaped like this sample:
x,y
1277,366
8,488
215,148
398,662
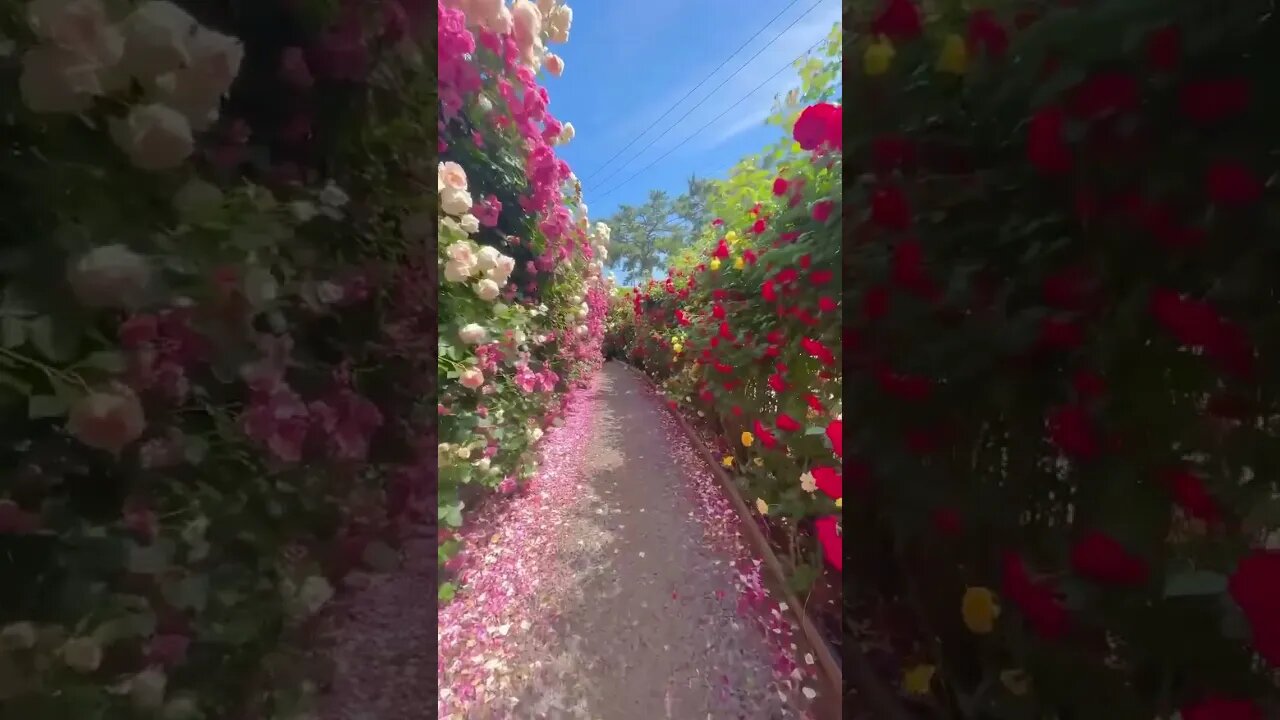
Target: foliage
x,y
218,328
1062,334
745,330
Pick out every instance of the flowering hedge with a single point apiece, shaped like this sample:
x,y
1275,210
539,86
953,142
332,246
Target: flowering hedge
x,y
1063,444
745,330
219,327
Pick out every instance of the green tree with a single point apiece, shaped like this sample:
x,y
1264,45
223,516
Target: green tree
x,y
642,237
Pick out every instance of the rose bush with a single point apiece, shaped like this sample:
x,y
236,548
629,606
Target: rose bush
x,y
218,325
1060,328
744,332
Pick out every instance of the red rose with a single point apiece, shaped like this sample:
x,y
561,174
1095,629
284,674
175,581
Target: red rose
x,y
1047,150
892,152
1189,492
777,383
910,388
829,538
1101,558
717,311
786,423
1215,708
875,303
822,210
1164,47
835,435
828,481
827,304
762,433
947,521
1071,430
1069,288
780,186
758,227
821,277
1088,385
816,349
1255,585
721,251
897,20
1060,334
1037,601
1104,94
1231,184
985,32
889,208
907,270
819,126
1211,101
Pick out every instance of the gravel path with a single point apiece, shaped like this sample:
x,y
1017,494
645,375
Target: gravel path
x,y
614,587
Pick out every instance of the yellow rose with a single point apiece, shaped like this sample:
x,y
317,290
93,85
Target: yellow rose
x,y
715,263
759,462
877,58
738,264
731,237
916,681
677,348
954,57
727,461
979,610
762,506
747,439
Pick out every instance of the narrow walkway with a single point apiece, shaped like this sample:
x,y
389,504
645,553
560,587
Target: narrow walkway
x,y
615,587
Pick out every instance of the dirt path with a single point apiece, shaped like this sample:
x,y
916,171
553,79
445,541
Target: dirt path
x,y
614,588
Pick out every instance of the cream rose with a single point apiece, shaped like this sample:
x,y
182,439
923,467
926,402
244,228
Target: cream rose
x,y
462,252
196,90
471,378
558,23
472,334
111,276
146,689
455,271
57,80
107,419
455,202
197,200
469,223
19,635
487,258
155,39
452,176
487,290
83,654
155,137
566,134
501,270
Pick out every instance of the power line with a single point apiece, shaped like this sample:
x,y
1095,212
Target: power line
x,y
783,69
695,87
724,62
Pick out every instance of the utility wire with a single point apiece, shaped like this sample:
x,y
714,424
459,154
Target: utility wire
x,y
783,69
710,75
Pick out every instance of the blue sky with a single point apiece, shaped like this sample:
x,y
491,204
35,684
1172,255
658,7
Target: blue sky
x,y
627,62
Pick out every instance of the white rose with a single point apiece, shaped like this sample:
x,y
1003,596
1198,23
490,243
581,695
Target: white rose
x,y
502,269
452,176
111,276
483,464
260,286
487,289
518,335
575,299
487,258
554,64
455,202
472,333
329,292
57,80
180,709
527,26
582,331
83,654
546,6
155,39
197,200
197,89
19,635
333,196
558,23
455,271
146,689
603,252
535,434
314,593
155,137
469,224
463,453
485,105
491,15
602,233
471,378
566,134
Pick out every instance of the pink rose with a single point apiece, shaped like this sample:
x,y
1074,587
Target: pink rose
x,y
471,378
107,419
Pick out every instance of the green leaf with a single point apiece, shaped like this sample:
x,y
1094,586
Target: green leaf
x,y
802,578
13,331
1195,582
106,360
46,406
447,591
149,559
188,592
57,341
